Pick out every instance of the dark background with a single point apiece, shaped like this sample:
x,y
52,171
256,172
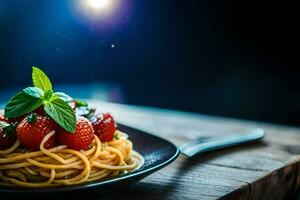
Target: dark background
x,y
229,58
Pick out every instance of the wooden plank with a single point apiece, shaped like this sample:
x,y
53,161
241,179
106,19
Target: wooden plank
x,y
269,170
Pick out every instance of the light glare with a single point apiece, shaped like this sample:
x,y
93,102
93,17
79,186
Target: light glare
x,y
98,4
97,9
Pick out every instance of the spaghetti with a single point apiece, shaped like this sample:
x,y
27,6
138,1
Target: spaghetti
x,y
63,166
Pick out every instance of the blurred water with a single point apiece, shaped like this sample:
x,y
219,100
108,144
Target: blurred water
x,y
99,91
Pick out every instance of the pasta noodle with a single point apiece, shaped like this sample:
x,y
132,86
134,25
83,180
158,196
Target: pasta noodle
x,y
63,166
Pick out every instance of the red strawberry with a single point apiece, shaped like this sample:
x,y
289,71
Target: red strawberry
x,y
2,118
33,129
17,119
104,126
6,137
81,139
40,111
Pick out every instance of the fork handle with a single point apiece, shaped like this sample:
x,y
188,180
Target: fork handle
x,y
193,148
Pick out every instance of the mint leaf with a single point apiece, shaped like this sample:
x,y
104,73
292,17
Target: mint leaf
x,y
3,124
63,96
62,114
34,92
116,136
80,103
21,104
48,95
31,118
40,79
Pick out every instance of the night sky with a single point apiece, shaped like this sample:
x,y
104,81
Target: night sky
x,y
229,58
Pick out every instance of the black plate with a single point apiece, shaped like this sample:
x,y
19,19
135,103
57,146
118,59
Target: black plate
x,y
156,151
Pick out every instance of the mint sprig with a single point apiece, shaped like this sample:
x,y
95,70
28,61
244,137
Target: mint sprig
x,y
48,95
40,79
80,103
62,114
64,97
116,137
34,92
21,104
55,104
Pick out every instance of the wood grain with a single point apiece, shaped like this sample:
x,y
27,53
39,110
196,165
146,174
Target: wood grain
x,y
267,170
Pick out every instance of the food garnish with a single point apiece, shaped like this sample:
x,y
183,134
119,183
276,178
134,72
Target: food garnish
x,y
41,96
47,138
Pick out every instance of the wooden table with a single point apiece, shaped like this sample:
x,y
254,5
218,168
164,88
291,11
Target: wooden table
x,y
269,170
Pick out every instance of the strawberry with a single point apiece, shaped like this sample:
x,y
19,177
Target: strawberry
x,y
2,118
7,137
40,111
17,119
104,126
82,138
33,129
